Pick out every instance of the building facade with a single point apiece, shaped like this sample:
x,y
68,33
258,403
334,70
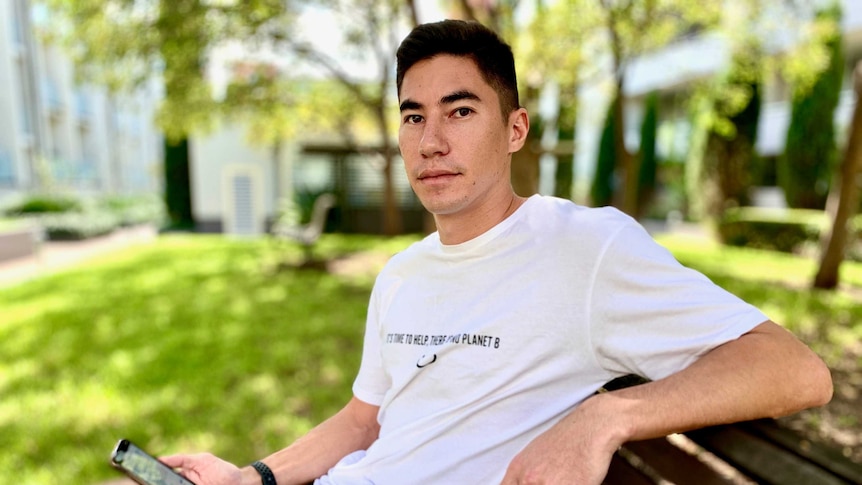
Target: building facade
x,y
58,135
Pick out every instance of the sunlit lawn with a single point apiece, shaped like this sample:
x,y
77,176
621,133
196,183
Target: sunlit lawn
x,y
198,343
779,284
194,343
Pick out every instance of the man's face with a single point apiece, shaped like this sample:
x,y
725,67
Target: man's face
x,y
453,138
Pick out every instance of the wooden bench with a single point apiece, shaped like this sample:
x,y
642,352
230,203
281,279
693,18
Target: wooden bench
x,y
760,452
308,234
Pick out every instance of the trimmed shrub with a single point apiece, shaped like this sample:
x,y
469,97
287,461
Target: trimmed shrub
x,y
775,229
805,171
67,218
42,204
71,226
133,210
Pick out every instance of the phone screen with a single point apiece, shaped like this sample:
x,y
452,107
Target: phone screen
x,y
143,467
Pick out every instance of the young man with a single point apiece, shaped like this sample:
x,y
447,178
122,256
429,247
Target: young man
x,y
486,341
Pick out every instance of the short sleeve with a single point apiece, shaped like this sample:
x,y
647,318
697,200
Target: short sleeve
x,y
652,316
371,382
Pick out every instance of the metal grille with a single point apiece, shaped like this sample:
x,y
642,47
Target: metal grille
x,y
243,205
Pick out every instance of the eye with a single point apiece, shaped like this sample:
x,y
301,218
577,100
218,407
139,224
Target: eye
x,y
462,112
412,119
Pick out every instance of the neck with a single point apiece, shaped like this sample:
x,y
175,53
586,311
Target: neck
x,y
459,228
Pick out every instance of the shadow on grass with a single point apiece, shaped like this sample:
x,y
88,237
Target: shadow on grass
x,y
188,345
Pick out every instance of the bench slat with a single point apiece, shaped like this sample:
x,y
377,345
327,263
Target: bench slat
x,y
763,461
674,464
828,458
621,472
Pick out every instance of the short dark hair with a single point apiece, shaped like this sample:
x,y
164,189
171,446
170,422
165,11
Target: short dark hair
x,y
468,39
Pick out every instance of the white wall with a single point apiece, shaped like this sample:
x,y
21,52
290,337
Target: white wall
x,y
218,155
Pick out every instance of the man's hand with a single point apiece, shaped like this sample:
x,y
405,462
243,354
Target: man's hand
x,y
575,451
205,469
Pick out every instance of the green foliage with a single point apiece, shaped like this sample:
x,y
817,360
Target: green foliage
x,y
779,230
648,163
602,189
551,47
71,226
732,133
125,45
672,198
178,192
564,175
805,171
640,27
70,218
41,204
136,209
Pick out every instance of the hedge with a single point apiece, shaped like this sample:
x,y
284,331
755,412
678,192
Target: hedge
x,y
785,230
70,218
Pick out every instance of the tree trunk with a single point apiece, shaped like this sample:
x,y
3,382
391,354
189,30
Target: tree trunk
x,y
178,197
525,170
627,165
392,223
525,162
844,199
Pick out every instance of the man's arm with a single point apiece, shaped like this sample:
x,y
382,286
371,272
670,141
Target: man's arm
x,y
766,372
353,428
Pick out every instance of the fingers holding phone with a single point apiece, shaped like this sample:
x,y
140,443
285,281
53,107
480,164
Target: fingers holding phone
x,y
205,469
143,468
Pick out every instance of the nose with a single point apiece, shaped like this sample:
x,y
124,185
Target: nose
x,y
433,140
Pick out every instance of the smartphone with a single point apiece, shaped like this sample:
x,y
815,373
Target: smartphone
x,y
143,467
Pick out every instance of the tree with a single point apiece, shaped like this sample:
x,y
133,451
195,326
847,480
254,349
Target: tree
x,y
124,44
633,28
275,107
804,172
548,51
551,51
726,108
564,175
731,137
647,153
602,190
371,28
843,199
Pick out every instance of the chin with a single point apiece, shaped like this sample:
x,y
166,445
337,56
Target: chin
x,y
440,207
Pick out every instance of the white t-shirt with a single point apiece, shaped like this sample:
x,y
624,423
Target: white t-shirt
x,y
472,350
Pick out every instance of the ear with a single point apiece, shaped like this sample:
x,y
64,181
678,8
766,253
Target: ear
x,y
519,127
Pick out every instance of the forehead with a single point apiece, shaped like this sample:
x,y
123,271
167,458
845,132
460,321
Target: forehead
x,y
439,76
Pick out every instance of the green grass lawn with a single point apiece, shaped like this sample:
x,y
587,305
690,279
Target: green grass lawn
x,y
198,343
779,284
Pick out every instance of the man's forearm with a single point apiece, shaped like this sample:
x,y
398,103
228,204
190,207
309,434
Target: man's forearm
x,y
353,428
765,373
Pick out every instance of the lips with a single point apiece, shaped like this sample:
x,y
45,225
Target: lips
x,y
433,175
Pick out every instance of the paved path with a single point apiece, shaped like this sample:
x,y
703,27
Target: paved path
x,y
55,255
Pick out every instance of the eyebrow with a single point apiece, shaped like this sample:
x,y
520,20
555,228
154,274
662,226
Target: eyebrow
x,y
409,104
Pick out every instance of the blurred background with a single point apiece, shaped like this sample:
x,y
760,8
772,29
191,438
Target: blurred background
x,y
736,120
229,110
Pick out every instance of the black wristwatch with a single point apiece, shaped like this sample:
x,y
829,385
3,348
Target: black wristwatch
x,y
266,476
